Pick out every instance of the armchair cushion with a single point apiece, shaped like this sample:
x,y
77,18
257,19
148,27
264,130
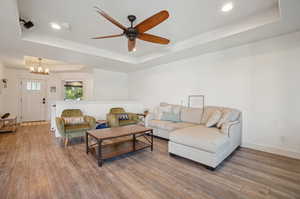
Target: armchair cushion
x,y
72,113
116,110
127,122
77,127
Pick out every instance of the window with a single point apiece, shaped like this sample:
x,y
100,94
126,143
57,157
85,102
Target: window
x,y
73,90
33,85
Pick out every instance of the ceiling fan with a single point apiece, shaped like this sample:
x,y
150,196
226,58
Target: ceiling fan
x,y
138,31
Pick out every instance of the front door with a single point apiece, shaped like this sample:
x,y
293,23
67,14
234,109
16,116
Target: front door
x,y
33,100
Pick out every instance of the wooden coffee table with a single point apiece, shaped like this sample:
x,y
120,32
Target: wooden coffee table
x,y
112,142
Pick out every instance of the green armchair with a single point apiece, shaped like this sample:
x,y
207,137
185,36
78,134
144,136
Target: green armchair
x,y
113,118
69,131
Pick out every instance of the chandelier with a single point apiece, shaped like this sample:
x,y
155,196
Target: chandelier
x,y
39,69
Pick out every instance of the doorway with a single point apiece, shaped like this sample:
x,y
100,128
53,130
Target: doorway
x,y
33,100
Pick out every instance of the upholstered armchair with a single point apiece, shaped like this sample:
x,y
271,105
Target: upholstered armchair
x,y
114,117
73,123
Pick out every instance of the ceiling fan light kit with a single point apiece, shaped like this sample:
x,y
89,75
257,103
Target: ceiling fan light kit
x,y
138,31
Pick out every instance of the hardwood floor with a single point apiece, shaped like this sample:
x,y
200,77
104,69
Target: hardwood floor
x,y
34,165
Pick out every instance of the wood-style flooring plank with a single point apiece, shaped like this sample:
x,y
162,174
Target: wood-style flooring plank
x,y
34,164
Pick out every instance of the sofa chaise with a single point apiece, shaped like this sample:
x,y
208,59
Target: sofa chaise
x,y
192,139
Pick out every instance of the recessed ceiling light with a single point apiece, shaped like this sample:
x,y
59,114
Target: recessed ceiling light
x,y
227,7
55,26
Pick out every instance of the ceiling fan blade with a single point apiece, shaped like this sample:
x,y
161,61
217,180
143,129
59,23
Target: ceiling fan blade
x,y
131,45
106,16
152,21
109,36
153,38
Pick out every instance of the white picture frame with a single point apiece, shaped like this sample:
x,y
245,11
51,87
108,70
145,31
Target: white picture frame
x,y
196,101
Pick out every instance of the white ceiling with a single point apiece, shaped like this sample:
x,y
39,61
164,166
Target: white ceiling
x,y
194,27
188,19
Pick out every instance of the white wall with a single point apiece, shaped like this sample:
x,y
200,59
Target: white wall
x,y
1,88
110,85
261,79
98,85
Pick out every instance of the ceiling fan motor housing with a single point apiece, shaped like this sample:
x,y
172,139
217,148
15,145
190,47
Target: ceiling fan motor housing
x,y
131,33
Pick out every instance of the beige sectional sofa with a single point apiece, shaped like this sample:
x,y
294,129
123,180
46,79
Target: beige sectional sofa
x,y
191,139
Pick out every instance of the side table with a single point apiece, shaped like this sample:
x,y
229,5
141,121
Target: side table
x,y
8,124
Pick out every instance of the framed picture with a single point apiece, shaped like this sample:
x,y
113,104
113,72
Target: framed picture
x,y
196,101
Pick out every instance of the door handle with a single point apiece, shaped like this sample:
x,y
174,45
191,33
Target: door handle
x,y
44,100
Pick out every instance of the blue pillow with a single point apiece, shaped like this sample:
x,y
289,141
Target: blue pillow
x,y
102,126
170,116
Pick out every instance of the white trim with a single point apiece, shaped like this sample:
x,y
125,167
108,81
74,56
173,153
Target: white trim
x,y
271,149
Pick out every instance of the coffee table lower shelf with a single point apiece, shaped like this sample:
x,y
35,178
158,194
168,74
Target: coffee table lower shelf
x,y
116,149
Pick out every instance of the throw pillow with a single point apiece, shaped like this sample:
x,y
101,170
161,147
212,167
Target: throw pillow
x,y
214,119
176,109
123,116
228,116
73,120
162,109
170,116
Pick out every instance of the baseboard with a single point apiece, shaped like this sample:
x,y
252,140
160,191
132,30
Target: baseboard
x,y
270,149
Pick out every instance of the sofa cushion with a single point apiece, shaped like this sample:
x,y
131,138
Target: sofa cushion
x,y
214,119
201,137
191,115
208,111
228,115
77,127
169,126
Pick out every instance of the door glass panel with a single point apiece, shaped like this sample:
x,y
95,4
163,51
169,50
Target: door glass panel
x,y
33,85
38,86
28,85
